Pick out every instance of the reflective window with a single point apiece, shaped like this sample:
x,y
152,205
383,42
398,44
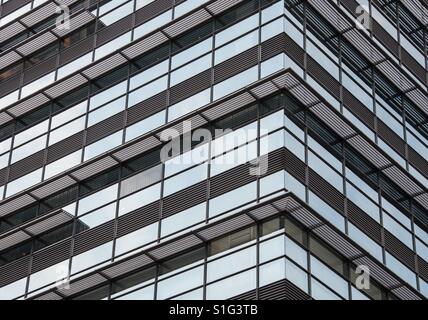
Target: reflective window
x,y
232,263
144,126
233,199
67,130
113,45
91,258
97,199
185,179
188,105
63,164
136,239
232,286
106,111
180,283
183,219
139,199
191,69
103,145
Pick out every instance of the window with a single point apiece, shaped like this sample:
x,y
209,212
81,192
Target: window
x,y
183,220
139,199
180,283
232,263
136,239
233,240
233,199
232,286
106,111
186,179
191,69
67,130
188,105
97,199
91,258
103,145
145,125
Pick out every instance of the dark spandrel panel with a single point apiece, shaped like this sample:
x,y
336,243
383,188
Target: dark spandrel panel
x,y
295,166
14,271
423,268
26,165
293,50
384,37
391,137
11,6
359,109
65,147
74,52
364,222
114,30
404,253
39,70
105,128
51,255
147,108
151,10
235,65
414,66
326,191
190,87
417,160
138,219
184,199
323,77
93,237
231,180
273,46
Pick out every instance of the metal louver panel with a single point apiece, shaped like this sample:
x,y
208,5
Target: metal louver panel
x,y
145,45
333,17
225,227
126,266
52,187
14,271
104,66
9,58
15,204
28,105
337,241
228,106
381,275
235,65
37,43
187,23
65,86
364,222
51,255
222,5
94,237
333,120
13,239
399,250
405,182
369,152
11,30
4,117
137,148
175,247
39,15
185,199
79,286
190,86
282,290
138,219
75,22
94,168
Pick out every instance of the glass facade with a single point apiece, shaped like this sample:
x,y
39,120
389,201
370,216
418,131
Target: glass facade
x,y
206,150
